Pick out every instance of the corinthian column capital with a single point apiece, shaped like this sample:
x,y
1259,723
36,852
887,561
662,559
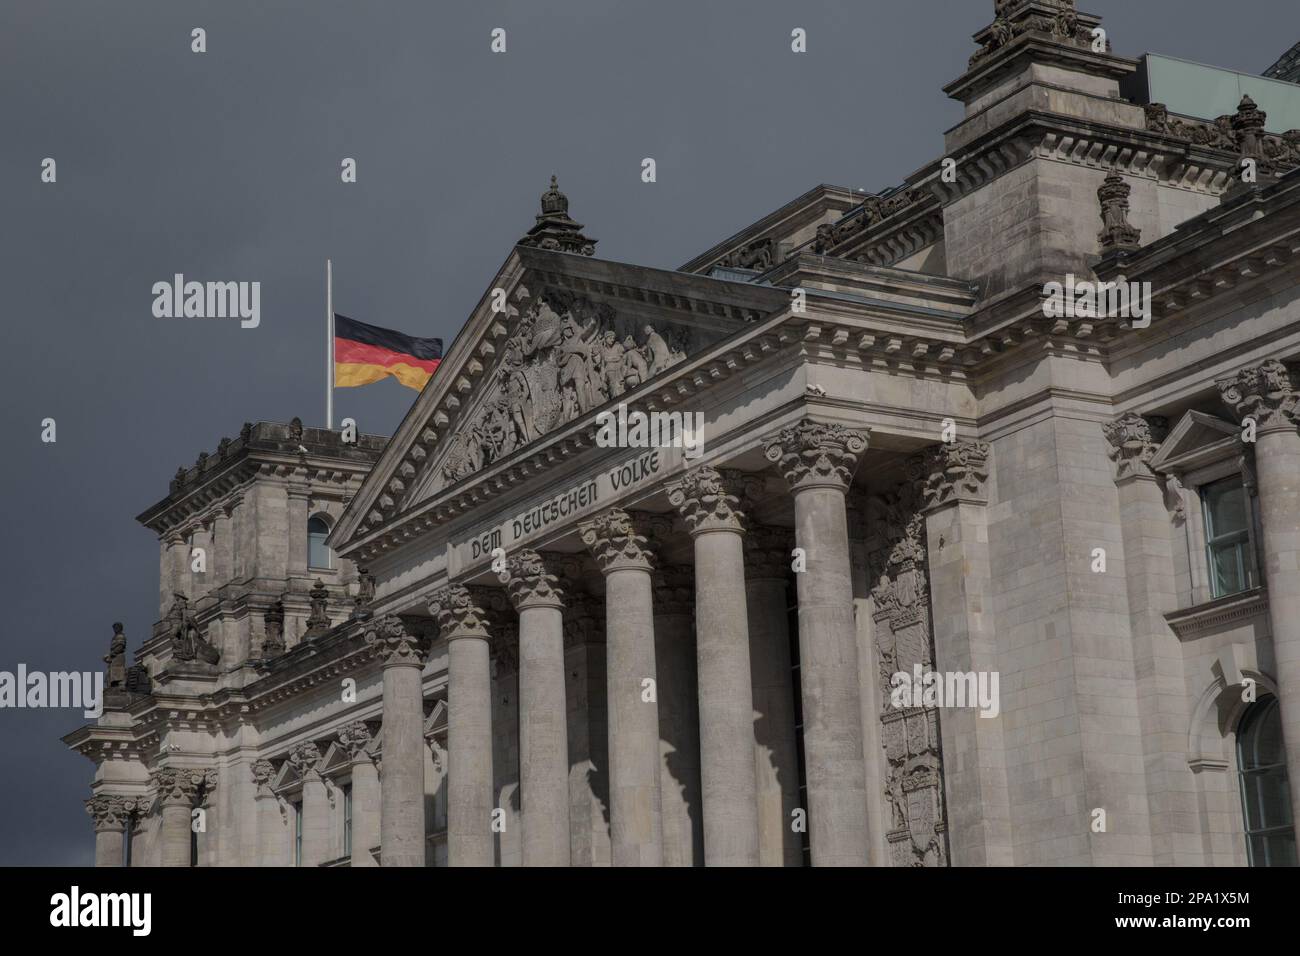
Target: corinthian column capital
x,y
1263,392
705,498
956,471
529,581
1134,441
812,454
458,614
398,646
110,811
263,773
615,543
355,738
180,786
304,757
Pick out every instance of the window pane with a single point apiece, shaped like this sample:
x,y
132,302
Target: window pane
x,y
1224,569
318,556
1266,791
1225,507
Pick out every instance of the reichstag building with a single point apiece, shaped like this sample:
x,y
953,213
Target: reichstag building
x,y
495,639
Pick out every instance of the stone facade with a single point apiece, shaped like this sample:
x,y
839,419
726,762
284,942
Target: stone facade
x,y
563,652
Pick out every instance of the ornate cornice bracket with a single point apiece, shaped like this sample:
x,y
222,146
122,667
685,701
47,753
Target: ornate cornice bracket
x,y
955,472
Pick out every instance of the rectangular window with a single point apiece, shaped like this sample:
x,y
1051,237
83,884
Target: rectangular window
x,y
297,833
347,820
1229,550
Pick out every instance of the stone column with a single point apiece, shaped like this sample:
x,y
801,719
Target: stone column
x,y
111,823
727,775
272,834
818,461
177,790
588,731
401,824
315,805
961,594
679,717
776,757
200,581
636,825
469,728
1266,395
543,733
366,800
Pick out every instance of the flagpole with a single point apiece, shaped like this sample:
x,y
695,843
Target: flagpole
x,y
329,345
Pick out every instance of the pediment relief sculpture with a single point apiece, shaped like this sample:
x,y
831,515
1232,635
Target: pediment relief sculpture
x,y
567,356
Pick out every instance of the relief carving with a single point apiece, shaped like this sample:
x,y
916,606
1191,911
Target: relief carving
x,y
910,736
567,356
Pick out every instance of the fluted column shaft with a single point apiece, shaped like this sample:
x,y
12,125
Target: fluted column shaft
x,y
727,772
177,791
818,461
469,729
679,722
401,816
272,834
543,720
112,820
366,796
636,825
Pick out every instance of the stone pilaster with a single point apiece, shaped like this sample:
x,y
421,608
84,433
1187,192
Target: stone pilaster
x,y
366,797
222,559
178,567
272,829
298,502
776,760
401,825
1267,395
710,507
1157,653
543,734
178,789
636,823
469,728
679,733
818,461
112,816
956,521
200,581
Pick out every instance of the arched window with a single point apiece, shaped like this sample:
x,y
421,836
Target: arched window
x,y
1265,792
318,555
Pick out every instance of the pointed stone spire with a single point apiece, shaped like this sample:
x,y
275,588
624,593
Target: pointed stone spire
x,y
554,230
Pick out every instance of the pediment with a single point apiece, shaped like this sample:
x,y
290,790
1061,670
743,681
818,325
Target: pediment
x,y
556,337
286,779
1199,439
336,760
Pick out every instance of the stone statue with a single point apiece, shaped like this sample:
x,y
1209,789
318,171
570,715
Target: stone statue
x,y
186,640
116,660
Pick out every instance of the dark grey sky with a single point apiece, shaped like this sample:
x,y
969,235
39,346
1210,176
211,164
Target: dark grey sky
x,y
225,166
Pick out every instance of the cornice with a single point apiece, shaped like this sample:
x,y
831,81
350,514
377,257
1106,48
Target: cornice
x,y
1226,611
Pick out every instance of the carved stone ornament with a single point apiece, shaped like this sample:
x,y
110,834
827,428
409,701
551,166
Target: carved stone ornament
x,y
110,811
263,772
812,454
395,644
874,210
1241,133
318,622
566,357
1056,20
615,543
273,640
1117,233
182,786
705,500
759,255
554,230
304,757
1264,393
116,660
457,612
365,595
956,471
187,643
355,738
529,581
1134,441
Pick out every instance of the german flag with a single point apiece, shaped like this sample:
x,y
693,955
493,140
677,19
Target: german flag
x,y
366,353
